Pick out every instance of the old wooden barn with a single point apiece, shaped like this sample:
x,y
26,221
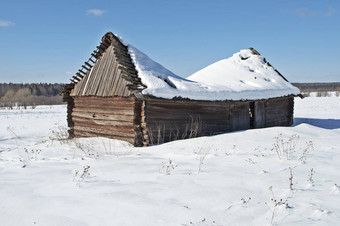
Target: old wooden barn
x,y
120,93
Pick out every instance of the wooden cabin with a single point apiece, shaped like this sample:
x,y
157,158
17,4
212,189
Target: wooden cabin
x,y
106,98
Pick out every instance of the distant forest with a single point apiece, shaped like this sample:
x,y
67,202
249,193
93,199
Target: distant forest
x,y
321,89
33,94
318,87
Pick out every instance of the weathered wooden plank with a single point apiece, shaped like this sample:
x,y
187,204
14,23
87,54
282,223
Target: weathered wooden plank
x,y
88,121
119,111
100,75
187,117
119,129
111,100
108,108
80,133
105,76
101,130
103,116
110,76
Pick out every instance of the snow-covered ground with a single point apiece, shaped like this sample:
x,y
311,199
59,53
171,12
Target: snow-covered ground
x,y
240,178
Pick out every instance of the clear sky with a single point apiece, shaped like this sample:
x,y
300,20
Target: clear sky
x,y
48,41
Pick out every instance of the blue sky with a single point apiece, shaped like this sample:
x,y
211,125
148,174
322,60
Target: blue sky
x,y
48,41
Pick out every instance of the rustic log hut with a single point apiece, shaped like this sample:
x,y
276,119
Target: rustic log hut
x,y
120,93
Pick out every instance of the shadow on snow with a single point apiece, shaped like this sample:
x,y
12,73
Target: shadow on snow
x,y
322,123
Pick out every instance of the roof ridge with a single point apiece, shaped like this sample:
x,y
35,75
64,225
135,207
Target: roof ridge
x,y
257,53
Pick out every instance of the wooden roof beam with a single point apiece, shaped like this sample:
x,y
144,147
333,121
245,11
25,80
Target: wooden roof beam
x,y
102,49
89,65
99,54
83,66
92,60
94,55
132,79
107,42
131,70
81,71
76,78
79,75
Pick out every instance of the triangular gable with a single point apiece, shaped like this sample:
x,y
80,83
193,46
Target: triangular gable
x,y
108,72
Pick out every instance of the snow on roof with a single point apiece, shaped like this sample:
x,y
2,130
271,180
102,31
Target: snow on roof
x,y
244,76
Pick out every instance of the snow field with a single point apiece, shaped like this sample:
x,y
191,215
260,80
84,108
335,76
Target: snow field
x,y
227,179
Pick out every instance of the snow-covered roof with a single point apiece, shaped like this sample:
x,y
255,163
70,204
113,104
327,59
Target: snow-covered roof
x,y
244,76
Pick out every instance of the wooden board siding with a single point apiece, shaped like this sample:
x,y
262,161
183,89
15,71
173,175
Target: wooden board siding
x,y
274,112
112,117
166,120
113,72
104,79
70,105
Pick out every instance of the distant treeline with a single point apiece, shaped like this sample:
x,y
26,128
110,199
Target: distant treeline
x,y
13,94
318,87
32,94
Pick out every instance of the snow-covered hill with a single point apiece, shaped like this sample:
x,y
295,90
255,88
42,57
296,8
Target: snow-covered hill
x,y
239,178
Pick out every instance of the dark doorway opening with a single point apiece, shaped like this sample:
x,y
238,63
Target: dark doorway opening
x,y
252,114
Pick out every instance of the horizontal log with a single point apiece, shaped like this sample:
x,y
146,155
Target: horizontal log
x,y
185,116
185,127
104,106
162,102
175,122
106,99
103,116
107,128
104,132
102,122
92,134
106,110
127,112
193,107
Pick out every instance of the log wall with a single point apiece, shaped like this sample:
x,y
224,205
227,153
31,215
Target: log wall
x,y
274,112
112,117
167,120
155,121
70,105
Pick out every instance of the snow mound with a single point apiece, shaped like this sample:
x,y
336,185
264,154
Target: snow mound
x,y
244,76
243,72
